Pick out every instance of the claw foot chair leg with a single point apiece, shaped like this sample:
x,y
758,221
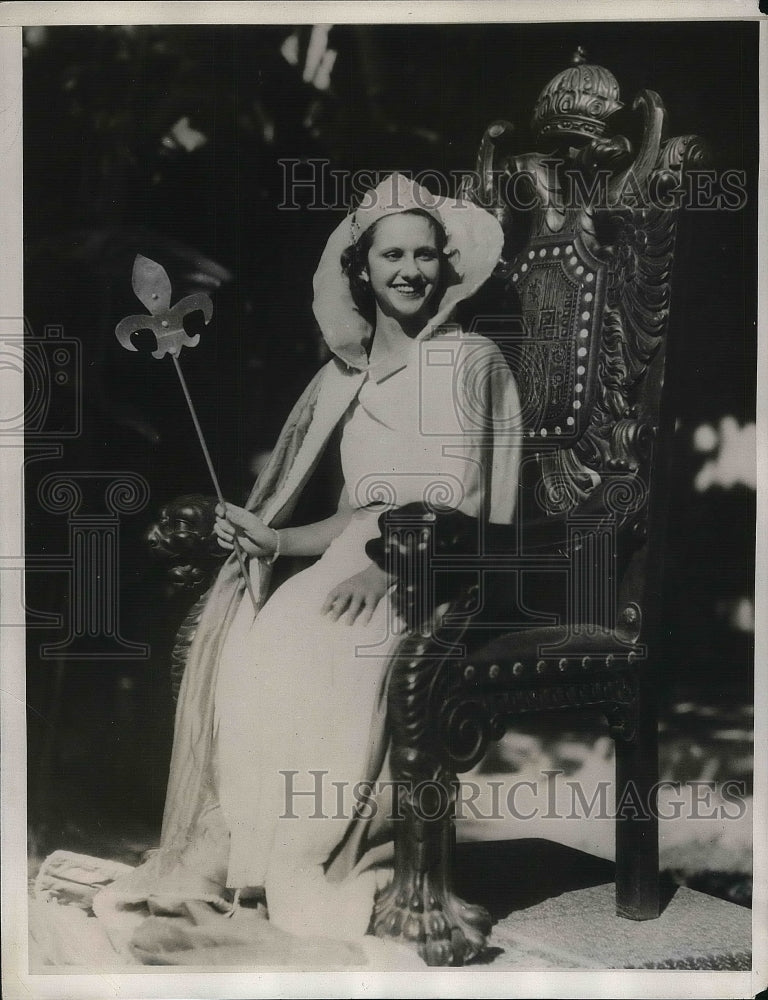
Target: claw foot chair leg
x,y
419,907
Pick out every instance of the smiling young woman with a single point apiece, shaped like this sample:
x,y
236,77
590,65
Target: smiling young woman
x,y
300,688
397,267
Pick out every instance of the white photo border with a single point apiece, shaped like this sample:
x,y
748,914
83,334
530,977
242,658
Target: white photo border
x,y
477,982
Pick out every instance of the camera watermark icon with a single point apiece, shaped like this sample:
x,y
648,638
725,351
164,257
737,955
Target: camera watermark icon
x,y
49,368
41,410
465,392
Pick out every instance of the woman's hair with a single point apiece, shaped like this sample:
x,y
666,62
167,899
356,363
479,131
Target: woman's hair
x,y
354,261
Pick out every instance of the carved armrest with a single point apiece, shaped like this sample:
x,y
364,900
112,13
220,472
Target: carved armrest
x,y
419,543
183,537
410,539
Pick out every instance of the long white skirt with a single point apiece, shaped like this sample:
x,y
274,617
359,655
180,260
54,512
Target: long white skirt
x,y
296,699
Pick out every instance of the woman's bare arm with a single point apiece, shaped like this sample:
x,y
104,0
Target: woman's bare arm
x,y
314,539
258,539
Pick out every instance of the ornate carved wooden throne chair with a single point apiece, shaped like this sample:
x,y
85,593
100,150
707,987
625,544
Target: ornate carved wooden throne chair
x,y
561,612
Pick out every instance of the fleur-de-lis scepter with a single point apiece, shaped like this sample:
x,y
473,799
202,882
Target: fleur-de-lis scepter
x,y
152,286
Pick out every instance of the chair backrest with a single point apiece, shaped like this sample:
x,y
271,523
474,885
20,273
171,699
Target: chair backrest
x,y
592,235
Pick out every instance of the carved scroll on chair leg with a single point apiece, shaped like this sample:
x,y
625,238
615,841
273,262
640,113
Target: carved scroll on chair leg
x,y
419,907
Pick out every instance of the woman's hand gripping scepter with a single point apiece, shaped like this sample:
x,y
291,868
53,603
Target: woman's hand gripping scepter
x,y
152,287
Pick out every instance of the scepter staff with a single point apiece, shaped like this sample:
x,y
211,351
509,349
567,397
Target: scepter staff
x,y
152,287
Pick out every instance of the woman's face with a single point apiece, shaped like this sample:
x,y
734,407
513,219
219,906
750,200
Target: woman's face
x,y
404,266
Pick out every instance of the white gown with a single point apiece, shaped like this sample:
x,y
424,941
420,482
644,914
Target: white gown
x,y
297,692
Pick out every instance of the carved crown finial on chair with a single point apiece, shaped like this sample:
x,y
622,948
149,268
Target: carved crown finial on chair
x,y
577,101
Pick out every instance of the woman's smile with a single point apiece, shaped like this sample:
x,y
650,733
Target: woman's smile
x,y
411,291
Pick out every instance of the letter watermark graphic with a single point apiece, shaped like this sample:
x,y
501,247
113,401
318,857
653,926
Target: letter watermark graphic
x,y
305,184
733,794
316,793
512,800
312,184
365,806
551,797
597,806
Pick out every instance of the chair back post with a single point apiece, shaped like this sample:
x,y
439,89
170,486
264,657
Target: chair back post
x,y
591,279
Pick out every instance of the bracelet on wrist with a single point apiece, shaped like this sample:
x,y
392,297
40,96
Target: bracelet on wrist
x,y
269,560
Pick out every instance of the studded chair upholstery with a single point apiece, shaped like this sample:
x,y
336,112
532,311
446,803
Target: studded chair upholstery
x,y
580,308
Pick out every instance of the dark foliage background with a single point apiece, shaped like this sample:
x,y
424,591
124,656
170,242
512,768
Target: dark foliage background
x,y
108,172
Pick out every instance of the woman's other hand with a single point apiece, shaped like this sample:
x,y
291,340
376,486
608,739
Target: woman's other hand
x,y
255,537
358,597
